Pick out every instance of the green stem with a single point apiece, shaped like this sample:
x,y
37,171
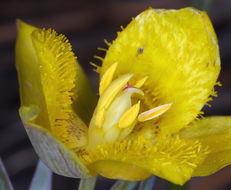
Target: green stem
x,y
148,183
172,186
42,179
4,179
124,185
87,184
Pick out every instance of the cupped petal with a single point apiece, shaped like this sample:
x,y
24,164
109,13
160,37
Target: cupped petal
x,y
214,132
55,154
177,51
170,157
53,90
30,86
51,79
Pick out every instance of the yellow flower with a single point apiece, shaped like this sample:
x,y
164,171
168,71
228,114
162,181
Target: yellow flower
x,y
154,80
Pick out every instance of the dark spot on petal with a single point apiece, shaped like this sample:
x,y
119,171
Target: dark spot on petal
x,y
140,50
214,63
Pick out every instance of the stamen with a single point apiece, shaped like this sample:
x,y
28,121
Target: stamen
x,y
153,113
107,78
140,82
113,90
100,117
129,116
109,95
120,104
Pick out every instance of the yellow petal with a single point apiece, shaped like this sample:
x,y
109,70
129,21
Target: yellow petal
x,y
177,50
214,132
119,170
51,79
29,113
171,158
86,98
30,87
56,155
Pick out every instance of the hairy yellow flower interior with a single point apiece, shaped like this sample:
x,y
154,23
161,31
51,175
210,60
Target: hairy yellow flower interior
x,y
170,157
173,58
176,53
58,74
115,116
54,110
48,70
57,63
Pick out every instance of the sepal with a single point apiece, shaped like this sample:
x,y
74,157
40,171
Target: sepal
x,y
53,153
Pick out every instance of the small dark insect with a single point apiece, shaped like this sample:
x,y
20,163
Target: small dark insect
x,y
140,50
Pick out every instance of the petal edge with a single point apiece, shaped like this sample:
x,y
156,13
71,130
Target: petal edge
x,y
214,132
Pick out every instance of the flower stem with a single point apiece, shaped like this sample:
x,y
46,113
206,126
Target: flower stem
x,y
87,184
124,185
172,186
4,179
148,183
42,179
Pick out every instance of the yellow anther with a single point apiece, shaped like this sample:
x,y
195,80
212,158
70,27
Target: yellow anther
x,y
141,82
129,116
107,78
100,117
110,93
155,112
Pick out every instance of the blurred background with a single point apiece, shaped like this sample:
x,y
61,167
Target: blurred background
x,y
87,23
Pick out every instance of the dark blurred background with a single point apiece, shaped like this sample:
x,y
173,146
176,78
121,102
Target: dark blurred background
x,y
87,23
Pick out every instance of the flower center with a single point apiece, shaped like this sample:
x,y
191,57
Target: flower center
x,y
115,117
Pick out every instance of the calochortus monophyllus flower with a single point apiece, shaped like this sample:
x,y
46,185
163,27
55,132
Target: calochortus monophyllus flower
x,y
154,80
